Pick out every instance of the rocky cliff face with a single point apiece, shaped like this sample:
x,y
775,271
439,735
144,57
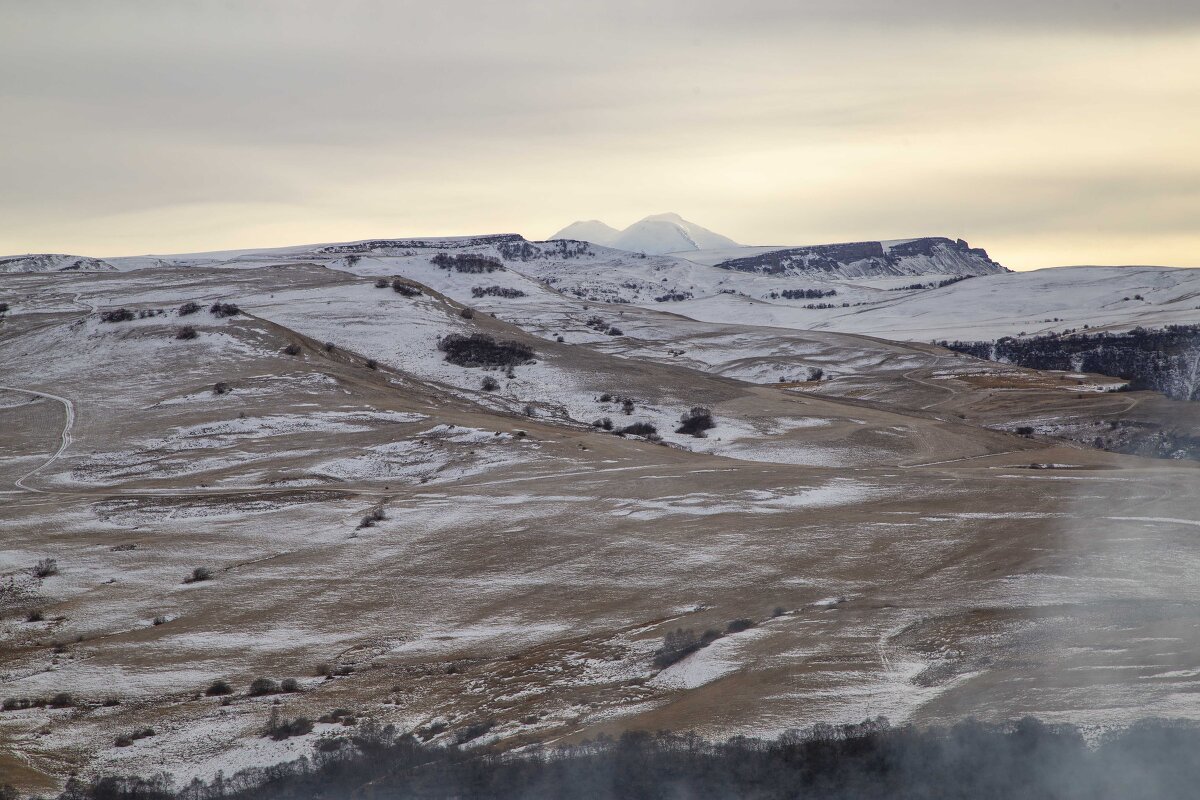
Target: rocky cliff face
x,y
925,256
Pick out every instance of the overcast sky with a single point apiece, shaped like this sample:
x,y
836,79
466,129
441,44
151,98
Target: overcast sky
x,y
1051,132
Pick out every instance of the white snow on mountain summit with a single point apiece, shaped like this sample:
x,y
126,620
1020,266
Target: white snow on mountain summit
x,y
654,235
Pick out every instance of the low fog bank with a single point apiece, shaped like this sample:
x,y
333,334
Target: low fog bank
x,y
1152,760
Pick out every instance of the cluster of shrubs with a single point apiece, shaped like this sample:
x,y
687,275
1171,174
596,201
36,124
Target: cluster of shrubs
x,y
673,297
398,286
695,422
627,403
933,284
185,333
261,687
287,728
188,308
469,263
803,294
60,700
638,429
473,731
223,310
117,315
496,291
598,324
482,350
338,716
679,643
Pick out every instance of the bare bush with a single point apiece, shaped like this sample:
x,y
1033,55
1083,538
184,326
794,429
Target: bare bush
x,y
185,333
224,310
188,308
695,422
45,568
199,574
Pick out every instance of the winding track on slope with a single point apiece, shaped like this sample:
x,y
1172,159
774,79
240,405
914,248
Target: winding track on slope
x,y
68,423
65,437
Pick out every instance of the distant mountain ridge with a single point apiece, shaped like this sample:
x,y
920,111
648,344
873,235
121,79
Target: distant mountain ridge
x,y
656,234
923,256
53,262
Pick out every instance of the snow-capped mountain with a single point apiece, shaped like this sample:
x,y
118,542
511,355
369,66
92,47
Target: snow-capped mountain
x,y
933,255
589,230
654,235
53,262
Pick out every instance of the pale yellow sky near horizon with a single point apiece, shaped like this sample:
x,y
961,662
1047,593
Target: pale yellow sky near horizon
x,y
1049,136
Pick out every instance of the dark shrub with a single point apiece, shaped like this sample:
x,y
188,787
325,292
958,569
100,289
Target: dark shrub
x,y
627,406
45,568
330,347
640,429
221,387
159,620
603,422
496,291
695,422
815,373
292,349
188,308
1025,430
677,645
371,364
615,331
481,350
185,333
287,728
36,615
490,384
199,574
778,611
739,625
117,315
3,308
472,732
404,289
62,700
224,310
261,686
381,283
373,516
219,688
289,685
467,313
